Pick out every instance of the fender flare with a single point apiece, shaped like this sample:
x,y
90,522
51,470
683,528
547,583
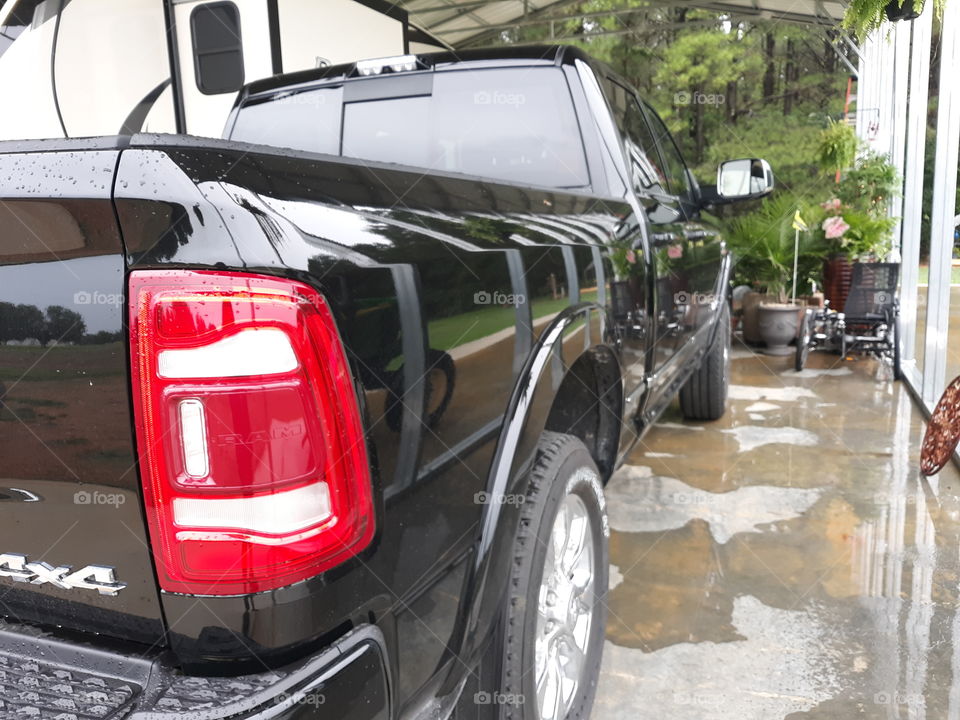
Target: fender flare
x,y
488,573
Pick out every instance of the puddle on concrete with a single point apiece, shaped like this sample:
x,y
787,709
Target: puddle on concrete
x,y
761,407
679,426
750,437
615,577
784,393
797,581
638,501
808,373
779,666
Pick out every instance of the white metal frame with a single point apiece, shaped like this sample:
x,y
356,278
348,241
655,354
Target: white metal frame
x,y
916,135
903,119
943,210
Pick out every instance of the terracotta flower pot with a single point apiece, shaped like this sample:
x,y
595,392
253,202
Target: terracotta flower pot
x,y
778,327
837,277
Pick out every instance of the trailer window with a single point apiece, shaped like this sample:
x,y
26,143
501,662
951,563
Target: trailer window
x,y
217,49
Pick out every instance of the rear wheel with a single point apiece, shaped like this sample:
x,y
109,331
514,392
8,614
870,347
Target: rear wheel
x,y
803,340
704,396
554,620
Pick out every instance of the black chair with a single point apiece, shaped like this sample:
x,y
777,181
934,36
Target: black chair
x,y
869,323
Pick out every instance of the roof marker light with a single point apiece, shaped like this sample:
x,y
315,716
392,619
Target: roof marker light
x,y
399,63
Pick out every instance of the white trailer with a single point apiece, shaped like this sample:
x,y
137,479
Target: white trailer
x,y
76,68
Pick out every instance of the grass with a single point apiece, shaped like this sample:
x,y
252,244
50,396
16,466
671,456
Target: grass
x,y
925,275
456,330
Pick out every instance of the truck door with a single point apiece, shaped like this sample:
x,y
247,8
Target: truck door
x,y
691,257
651,185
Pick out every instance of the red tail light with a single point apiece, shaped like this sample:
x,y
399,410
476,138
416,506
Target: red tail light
x,y
251,446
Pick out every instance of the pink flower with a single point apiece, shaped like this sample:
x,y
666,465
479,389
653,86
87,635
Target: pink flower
x,y
834,227
833,205
675,251
631,257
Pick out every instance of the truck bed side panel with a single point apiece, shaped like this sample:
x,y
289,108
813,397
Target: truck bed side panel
x,y
68,480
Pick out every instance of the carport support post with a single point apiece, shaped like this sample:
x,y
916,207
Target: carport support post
x,y
901,79
916,142
942,214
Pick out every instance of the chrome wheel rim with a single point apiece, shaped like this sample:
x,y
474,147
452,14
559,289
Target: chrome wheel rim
x,y
564,609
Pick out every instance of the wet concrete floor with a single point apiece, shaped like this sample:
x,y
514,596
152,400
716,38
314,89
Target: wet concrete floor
x,y
786,561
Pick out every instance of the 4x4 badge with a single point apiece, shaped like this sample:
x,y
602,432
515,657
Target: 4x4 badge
x,y
101,578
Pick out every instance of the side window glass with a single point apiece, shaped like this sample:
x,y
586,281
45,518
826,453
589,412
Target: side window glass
x,y
639,142
675,168
217,50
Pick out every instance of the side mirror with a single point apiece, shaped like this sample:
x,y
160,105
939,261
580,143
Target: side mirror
x,y
745,179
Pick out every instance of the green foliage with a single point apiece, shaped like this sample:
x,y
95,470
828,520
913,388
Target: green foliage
x,y
870,185
704,61
863,16
863,235
787,142
836,148
763,246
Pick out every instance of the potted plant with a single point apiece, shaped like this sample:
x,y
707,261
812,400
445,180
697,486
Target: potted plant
x,y
863,16
836,148
860,227
763,245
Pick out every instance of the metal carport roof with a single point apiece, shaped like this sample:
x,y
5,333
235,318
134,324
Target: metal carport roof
x,y
469,22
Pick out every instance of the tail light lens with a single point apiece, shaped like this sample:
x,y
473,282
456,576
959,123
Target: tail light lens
x,y
252,451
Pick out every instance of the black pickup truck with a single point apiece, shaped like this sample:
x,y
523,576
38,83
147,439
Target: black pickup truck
x,y
322,430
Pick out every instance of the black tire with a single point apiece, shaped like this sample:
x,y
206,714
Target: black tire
x,y
564,469
704,395
803,341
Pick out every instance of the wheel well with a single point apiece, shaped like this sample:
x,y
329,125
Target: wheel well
x,y
588,405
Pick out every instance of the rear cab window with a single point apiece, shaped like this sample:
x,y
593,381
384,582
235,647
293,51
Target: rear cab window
x,y
516,126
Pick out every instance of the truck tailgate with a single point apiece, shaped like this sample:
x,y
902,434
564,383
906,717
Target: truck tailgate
x,y
73,546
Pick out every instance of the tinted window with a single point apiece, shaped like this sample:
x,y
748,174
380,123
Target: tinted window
x,y
639,142
305,121
217,50
502,124
517,126
675,168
